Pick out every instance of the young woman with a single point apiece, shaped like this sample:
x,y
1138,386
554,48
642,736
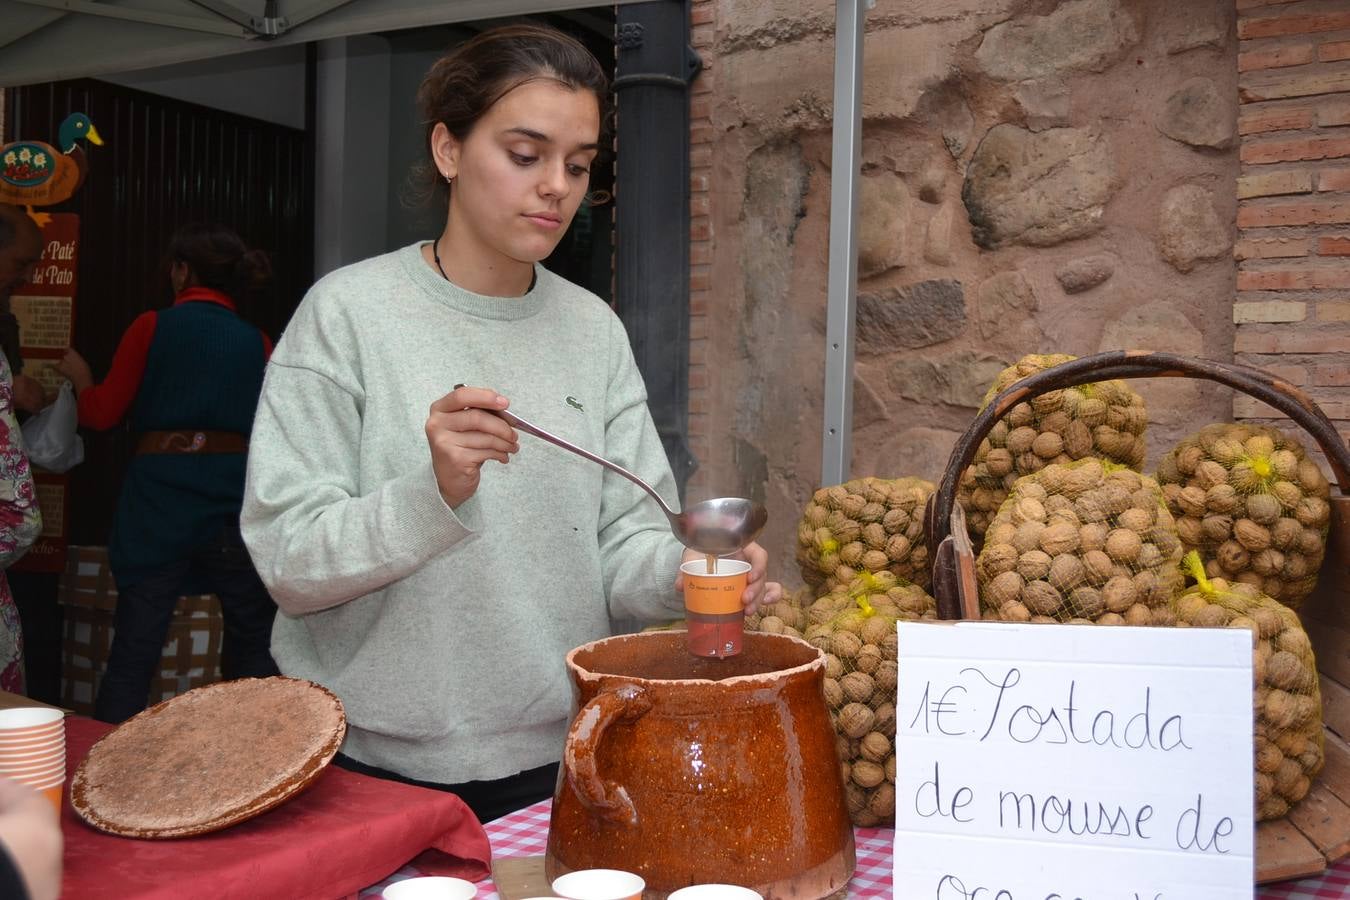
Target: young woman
x,y
435,597
187,378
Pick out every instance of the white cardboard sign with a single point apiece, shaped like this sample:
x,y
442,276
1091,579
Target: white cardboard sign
x,y
1073,763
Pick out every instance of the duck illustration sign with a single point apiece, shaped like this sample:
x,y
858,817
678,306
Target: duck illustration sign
x,y
34,173
26,165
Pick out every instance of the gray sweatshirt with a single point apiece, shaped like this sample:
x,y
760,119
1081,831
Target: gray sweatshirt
x,y
444,630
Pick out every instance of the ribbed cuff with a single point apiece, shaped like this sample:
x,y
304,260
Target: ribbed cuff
x,y
422,523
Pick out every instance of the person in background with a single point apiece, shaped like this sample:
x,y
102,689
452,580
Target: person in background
x,y
20,250
20,525
187,380
30,844
437,598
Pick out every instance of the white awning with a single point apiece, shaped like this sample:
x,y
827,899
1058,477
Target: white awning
x,y
53,40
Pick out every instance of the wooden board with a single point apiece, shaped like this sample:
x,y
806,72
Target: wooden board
x,y
1335,707
1282,852
519,877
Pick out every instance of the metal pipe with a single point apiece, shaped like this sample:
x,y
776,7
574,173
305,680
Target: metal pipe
x,y
845,163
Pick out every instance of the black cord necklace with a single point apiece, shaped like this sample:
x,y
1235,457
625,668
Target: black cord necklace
x,y
436,255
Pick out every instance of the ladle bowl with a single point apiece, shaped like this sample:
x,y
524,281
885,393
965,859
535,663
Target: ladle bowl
x,y
714,527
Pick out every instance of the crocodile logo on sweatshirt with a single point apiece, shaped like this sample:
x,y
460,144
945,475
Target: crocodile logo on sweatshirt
x,y
575,403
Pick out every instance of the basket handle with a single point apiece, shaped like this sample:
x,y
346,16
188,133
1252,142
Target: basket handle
x,y
1114,364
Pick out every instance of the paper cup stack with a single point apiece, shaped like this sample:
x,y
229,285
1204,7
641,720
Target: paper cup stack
x,y
33,749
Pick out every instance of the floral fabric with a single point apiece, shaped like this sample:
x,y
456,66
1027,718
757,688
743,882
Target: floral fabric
x,y
20,524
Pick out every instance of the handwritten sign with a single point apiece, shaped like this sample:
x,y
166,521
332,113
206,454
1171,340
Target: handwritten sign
x,y
1073,763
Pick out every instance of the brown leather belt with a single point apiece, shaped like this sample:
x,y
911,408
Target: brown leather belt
x,y
192,442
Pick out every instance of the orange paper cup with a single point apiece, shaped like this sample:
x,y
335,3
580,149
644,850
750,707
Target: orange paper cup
x,y
713,610
53,794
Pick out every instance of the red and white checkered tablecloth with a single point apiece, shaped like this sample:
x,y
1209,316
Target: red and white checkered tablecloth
x,y
525,833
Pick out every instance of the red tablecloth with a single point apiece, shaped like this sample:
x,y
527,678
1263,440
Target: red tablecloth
x,y
345,832
525,833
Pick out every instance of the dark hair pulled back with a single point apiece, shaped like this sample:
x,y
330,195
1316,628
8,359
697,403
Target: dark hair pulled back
x,y
464,84
220,259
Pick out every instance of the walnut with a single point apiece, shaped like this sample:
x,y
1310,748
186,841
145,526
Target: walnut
x,y
856,719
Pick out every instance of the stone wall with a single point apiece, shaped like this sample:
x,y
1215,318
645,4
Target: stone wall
x,y
1037,177
1293,251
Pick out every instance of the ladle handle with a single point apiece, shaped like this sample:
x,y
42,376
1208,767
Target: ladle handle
x,y
517,422
606,799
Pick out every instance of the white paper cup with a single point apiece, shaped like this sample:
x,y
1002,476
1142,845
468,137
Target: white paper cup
x,y
28,774
715,892
37,763
24,717
28,757
599,884
430,887
31,735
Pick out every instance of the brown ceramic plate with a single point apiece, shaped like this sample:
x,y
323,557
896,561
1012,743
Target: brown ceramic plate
x,y
209,758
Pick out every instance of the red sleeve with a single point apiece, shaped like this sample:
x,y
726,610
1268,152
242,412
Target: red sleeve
x,y
103,405
267,346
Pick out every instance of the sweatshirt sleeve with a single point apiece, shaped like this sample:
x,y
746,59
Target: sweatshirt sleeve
x,y
316,541
639,555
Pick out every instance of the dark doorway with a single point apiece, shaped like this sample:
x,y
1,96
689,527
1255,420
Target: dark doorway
x,y
165,163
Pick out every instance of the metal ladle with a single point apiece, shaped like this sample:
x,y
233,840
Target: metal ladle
x,y
714,527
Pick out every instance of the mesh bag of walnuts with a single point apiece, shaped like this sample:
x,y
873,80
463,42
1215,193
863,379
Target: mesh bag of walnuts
x,y
864,525
1287,702
1086,542
1251,502
786,616
1104,420
855,627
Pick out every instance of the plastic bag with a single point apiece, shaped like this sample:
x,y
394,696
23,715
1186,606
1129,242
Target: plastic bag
x,y
50,436
1288,699
1254,505
1088,541
865,525
855,627
1105,420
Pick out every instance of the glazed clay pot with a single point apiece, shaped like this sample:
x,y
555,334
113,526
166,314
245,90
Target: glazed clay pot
x,y
689,770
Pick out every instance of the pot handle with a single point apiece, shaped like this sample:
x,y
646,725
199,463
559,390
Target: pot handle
x,y
606,799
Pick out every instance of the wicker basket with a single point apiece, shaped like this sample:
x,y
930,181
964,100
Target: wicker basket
x,y
88,599
1316,831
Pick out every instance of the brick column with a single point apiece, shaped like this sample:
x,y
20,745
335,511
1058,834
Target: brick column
x,y
1292,312
702,17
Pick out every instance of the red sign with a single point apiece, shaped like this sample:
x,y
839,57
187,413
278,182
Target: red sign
x,y
45,308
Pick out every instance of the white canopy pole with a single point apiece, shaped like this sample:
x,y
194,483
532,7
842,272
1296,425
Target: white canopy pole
x,y
845,162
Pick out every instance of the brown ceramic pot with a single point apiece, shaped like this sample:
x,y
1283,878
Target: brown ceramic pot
x,y
689,770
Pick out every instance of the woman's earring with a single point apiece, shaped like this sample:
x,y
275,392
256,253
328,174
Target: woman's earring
x,y
449,179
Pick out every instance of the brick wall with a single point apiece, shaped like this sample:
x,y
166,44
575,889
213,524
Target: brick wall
x,y
1292,312
703,22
